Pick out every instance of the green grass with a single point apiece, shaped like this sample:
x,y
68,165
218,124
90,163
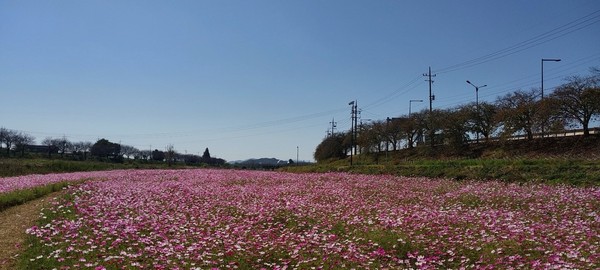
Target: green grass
x,y
30,258
17,197
554,171
563,160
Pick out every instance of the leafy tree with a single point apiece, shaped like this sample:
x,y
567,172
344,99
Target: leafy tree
x,y
578,101
106,149
332,147
192,159
206,155
158,155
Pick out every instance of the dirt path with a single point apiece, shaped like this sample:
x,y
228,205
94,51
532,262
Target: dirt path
x,y
13,223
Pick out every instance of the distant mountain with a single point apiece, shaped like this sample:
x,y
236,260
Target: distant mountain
x,y
259,162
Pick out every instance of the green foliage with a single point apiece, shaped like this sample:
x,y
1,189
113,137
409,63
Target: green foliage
x,y
106,149
555,171
22,196
331,147
391,241
30,258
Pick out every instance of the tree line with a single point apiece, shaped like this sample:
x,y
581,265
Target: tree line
x,y
17,143
520,114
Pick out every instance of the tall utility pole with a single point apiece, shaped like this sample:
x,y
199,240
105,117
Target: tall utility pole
x,y
353,117
356,116
431,99
333,126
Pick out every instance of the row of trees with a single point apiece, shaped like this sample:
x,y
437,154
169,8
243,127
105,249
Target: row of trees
x,y
14,140
17,142
574,104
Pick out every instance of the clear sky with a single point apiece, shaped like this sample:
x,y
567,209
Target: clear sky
x,y
260,78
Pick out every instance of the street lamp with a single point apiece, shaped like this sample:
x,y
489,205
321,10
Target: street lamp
x,y
410,104
546,60
477,102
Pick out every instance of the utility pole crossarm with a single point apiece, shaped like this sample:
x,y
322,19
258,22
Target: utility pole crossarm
x,y
431,97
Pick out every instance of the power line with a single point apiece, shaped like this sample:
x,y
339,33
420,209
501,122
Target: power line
x,y
389,97
526,81
545,37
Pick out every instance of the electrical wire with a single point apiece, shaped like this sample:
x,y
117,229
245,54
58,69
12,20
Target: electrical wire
x,y
568,28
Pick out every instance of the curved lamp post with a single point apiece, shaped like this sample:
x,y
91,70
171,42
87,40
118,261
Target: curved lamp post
x,y
477,102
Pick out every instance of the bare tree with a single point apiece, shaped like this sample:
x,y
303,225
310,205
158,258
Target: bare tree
x,y
483,118
8,137
455,127
81,147
413,127
50,144
129,151
21,140
393,132
370,137
519,111
3,132
578,101
145,154
63,145
170,154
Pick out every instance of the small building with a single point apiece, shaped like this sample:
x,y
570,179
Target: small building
x,y
41,149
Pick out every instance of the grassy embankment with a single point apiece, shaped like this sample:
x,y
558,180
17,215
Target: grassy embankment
x,y
575,172
574,161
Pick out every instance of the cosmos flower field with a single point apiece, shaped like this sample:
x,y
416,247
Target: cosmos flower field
x,y
226,219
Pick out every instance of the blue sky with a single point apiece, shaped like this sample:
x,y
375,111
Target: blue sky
x,y
260,78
